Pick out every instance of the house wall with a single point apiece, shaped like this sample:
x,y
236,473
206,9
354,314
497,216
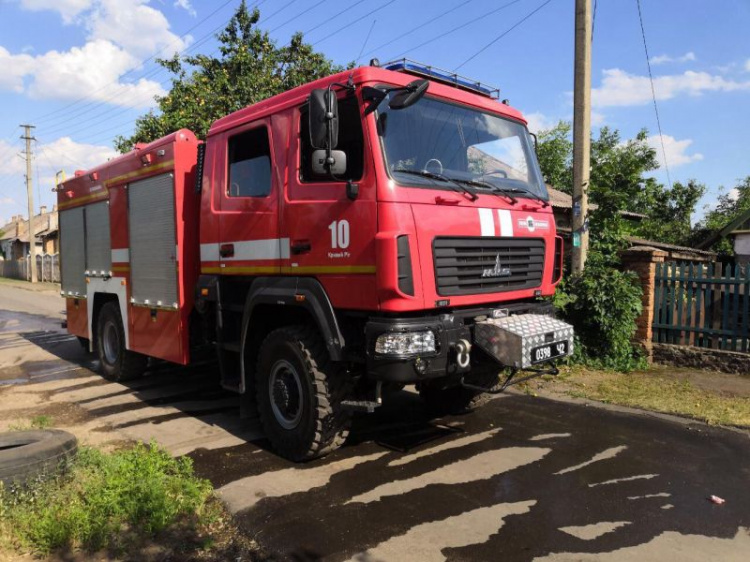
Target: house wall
x,y
742,247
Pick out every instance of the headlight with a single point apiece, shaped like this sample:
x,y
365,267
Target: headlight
x,y
405,343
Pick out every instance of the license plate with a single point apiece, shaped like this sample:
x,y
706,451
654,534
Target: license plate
x,y
549,351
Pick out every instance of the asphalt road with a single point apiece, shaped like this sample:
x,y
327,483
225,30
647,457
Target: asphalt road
x,y
521,479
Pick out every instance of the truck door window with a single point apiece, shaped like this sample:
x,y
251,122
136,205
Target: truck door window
x,y
249,164
351,141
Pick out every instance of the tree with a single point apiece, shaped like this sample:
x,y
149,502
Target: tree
x,y
730,205
250,67
620,181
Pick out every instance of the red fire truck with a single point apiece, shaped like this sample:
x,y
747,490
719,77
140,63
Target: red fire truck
x,y
381,227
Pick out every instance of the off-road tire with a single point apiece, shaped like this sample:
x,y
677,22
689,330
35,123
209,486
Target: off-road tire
x,y
324,424
458,399
25,455
126,365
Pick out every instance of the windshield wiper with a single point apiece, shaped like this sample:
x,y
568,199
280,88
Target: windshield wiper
x,y
441,177
525,192
493,188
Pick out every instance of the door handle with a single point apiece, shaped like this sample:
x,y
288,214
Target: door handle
x,y
301,246
226,250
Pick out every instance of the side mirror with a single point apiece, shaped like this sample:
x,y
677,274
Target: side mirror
x,y
409,95
337,166
324,119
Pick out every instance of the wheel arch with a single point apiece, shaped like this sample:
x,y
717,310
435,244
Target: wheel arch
x,y
274,302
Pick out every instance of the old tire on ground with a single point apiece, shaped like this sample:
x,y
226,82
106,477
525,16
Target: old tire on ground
x,y
299,392
457,399
25,455
117,363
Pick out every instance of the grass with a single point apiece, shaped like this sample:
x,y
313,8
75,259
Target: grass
x,y
37,422
651,390
108,501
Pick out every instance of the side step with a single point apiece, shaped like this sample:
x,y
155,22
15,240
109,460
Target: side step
x,y
363,406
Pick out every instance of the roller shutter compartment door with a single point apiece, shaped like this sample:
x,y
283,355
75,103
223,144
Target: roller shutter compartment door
x,y
73,252
153,252
98,247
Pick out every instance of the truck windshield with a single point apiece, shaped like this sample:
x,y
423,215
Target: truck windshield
x,y
431,143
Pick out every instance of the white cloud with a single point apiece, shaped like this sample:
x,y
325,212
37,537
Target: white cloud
x,y
7,201
597,118
620,88
747,65
91,71
119,35
185,5
139,29
537,121
68,9
676,150
662,59
64,153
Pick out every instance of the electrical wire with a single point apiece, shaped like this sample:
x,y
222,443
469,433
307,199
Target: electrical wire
x,y
45,117
367,38
504,33
453,30
653,94
416,28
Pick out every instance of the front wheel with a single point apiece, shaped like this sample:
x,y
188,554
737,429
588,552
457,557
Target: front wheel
x,y
117,363
299,392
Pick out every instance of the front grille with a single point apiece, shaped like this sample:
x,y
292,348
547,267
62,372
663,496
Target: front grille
x,y
467,266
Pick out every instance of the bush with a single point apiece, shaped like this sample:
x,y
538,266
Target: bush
x,y
103,501
603,304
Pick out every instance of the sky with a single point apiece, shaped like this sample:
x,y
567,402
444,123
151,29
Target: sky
x,y
81,71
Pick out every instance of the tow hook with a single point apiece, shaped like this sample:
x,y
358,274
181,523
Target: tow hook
x,y
463,353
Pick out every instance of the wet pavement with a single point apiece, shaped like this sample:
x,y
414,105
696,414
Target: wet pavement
x,y
523,478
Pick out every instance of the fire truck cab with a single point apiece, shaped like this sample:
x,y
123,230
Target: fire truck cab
x,y
380,227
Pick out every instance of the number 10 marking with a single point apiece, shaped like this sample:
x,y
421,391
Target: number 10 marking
x,y
339,234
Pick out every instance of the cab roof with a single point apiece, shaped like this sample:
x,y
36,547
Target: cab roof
x,y
359,76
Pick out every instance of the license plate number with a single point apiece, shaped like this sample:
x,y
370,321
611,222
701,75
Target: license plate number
x,y
549,351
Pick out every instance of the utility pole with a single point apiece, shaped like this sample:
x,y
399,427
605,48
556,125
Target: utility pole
x,y
581,133
30,194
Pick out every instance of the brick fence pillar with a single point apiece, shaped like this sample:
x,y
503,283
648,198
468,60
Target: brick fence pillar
x,y
642,261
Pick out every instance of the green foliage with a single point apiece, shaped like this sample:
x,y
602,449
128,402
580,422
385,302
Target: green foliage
x,y
250,67
555,154
103,501
619,182
602,304
729,206
37,422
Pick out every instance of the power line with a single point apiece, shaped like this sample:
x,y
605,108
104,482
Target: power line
x,y
367,38
593,21
416,28
504,33
46,116
353,22
453,30
653,94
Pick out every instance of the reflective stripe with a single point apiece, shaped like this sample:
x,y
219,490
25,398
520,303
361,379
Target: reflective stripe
x,y
249,250
486,222
120,255
506,222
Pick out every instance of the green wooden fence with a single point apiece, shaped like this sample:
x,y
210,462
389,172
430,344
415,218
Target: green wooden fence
x,y
702,304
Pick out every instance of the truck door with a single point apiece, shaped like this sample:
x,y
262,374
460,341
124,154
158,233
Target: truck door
x,y
248,204
332,236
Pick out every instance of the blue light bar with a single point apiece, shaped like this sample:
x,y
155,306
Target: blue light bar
x,y
439,75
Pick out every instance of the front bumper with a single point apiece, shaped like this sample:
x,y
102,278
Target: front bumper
x,y
452,330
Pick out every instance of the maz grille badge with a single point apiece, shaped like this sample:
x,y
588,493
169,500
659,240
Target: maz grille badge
x,y
497,270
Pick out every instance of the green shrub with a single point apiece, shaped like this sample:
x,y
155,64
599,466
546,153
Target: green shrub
x,y
602,304
103,501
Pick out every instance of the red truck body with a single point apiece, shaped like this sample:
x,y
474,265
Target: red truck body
x,y
192,259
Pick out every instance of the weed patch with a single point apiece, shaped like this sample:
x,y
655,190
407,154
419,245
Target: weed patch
x,y
106,502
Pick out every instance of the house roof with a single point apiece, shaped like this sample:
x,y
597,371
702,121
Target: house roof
x,y
561,200
672,248
739,224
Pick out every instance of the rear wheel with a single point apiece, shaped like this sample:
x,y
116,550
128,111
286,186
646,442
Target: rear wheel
x,y
299,392
117,363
